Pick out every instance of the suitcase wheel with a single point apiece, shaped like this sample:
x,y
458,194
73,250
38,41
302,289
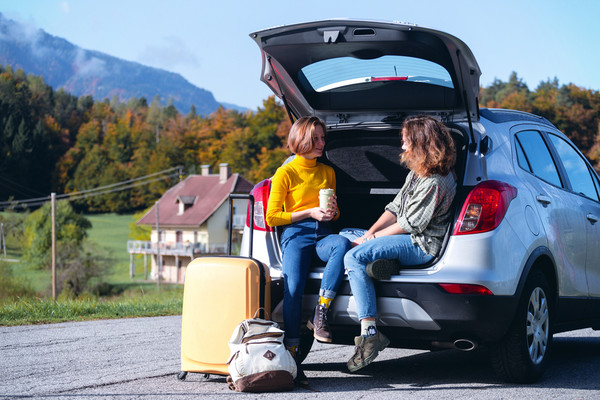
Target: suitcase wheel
x,y
182,375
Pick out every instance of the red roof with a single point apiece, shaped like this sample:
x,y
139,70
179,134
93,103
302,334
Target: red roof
x,y
201,194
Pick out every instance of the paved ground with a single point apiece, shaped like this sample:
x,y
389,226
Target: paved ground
x,y
139,359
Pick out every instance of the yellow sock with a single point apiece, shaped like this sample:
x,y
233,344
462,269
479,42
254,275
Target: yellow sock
x,y
325,301
292,349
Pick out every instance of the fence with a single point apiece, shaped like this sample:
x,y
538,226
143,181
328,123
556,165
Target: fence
x,y
174,248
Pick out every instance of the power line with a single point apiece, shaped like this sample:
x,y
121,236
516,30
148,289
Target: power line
x,y
14,186
101,190
118,184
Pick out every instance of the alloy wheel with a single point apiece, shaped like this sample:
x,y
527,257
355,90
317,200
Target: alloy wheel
x,y
537,325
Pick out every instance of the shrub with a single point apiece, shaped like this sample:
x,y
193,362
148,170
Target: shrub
x,y
70,231
10,286
81,268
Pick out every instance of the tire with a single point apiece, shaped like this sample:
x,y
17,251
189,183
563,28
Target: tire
x,y
522,355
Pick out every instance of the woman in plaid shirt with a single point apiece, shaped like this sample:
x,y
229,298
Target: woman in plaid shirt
x,y
409,232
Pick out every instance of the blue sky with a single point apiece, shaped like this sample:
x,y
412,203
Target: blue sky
x,y
207,42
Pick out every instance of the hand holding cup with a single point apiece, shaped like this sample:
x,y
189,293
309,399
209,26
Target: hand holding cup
x,y
325,198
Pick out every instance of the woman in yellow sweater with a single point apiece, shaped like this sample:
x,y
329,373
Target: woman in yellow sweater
x,y
294,204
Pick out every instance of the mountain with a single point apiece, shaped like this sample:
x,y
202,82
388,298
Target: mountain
x,y
85,72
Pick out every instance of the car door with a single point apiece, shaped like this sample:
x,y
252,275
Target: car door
x,y
584,188
558,208
593,265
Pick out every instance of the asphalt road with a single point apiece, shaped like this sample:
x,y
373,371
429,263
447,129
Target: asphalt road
x,y
139,359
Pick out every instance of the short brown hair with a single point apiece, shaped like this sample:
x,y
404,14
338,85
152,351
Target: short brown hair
x,y
431,148
301,138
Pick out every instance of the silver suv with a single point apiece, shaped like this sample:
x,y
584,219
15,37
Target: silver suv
x,y
521,256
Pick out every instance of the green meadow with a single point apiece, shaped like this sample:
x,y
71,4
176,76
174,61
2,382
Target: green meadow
x,y
120,295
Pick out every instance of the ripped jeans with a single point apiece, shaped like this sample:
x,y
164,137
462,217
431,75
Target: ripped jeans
x,y
393,247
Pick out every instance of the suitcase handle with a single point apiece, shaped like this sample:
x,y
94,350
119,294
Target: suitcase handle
x,y
250,198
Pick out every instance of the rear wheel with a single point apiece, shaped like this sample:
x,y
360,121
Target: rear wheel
x,y
522,356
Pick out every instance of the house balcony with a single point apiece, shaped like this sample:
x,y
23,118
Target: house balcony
x,y
239,221
191,250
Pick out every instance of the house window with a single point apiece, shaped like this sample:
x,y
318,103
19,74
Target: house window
x,y
184,203
179,236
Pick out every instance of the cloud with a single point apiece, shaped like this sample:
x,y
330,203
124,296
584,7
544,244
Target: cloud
x,y
88,66
20,32
64,6
168,55
25,34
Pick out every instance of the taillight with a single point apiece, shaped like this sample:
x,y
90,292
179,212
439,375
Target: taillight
x,y
463,288
389,78
484,207
261,198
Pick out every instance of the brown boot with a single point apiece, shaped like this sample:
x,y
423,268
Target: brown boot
x,y
366,349
319,325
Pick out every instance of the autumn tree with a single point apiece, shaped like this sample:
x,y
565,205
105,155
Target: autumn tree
x,y
572,109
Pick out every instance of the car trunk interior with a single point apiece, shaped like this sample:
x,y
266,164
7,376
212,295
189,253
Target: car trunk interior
x,y
369,173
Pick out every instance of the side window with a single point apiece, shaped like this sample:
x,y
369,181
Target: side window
x,y
523,163
536,157
596,181
576,167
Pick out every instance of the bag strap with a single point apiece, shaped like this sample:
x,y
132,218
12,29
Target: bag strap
x,y
231,383
266,314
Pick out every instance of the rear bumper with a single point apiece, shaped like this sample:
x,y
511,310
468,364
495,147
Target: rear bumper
x,y
422,313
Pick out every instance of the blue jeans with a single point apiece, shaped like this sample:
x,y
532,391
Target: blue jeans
x,y
394,247
300,242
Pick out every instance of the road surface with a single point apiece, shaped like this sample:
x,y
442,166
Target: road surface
x,y
139,359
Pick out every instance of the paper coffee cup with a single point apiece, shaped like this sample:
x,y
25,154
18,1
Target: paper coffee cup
x,y
324,196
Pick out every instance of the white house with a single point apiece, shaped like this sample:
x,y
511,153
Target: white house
x,y
193,221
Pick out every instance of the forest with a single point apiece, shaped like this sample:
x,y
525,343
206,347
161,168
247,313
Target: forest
x,y
52,141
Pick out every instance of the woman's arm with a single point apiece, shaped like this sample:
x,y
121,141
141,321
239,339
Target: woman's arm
x,y
384,226
316,213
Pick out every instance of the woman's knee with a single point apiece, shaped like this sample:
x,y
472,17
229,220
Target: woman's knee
x,y
351,261
341,244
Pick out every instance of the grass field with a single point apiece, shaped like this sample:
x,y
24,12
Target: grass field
x,y
130,297
132,303
111,231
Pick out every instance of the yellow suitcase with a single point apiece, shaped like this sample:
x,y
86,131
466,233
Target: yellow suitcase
x,y
219,293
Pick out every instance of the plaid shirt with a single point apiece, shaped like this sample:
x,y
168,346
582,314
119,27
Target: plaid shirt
x,y
422,209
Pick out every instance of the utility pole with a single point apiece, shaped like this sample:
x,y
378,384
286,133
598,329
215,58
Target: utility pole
x,y
158,258
2,238
53,202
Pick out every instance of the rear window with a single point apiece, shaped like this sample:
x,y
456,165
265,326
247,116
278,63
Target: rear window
x,y
347,72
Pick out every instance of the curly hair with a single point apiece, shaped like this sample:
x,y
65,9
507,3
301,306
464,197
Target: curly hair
x,y
430,147
301,138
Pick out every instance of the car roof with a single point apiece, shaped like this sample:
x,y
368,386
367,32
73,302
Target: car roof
x,y
499,115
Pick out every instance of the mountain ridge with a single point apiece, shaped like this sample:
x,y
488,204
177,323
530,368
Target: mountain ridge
x,y
89,72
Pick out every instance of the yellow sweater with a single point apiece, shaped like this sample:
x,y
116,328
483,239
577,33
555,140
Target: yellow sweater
x,y
295,187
